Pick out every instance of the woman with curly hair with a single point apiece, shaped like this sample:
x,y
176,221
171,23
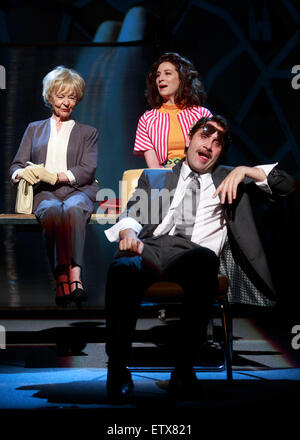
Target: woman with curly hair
x,y
176,95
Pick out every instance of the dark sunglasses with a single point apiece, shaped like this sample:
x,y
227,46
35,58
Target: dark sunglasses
x,y
210,129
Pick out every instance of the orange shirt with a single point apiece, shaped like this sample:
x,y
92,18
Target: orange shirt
x,y
176,140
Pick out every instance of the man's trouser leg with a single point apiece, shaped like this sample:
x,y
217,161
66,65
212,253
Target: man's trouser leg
x,y
128,278
196,270
168,258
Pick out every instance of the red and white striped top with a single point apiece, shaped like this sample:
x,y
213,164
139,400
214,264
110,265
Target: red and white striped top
x,y
154,126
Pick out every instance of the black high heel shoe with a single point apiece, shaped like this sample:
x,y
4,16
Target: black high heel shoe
x,y
65,299
78,295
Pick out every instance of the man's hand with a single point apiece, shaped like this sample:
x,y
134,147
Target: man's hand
x,y
228,187
130,242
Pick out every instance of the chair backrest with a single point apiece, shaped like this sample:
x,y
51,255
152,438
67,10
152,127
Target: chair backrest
x,y
129,183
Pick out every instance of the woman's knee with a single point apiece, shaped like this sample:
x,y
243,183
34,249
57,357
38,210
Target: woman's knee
x,y
51,214
74,212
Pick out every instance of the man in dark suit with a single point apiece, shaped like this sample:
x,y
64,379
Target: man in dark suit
x,y
175,228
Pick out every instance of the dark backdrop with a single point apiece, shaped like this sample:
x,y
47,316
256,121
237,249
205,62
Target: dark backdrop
x,y
245,52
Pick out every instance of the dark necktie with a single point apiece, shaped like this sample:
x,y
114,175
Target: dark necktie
x,y
185,213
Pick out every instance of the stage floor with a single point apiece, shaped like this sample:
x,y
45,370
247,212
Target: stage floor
x,y
59,366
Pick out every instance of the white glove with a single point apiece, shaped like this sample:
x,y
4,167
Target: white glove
x,y
30,175
46,176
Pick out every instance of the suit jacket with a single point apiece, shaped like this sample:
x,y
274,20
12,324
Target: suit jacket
x,y
81,159
245,244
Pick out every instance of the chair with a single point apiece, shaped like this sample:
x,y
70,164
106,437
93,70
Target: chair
x,y
168,292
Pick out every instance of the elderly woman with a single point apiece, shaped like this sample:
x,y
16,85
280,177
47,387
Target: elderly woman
x,y
176,95
64,187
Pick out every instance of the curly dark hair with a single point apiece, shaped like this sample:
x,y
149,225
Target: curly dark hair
x,y
191,91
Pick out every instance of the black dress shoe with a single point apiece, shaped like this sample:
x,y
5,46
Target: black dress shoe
x,y
184,384
119,384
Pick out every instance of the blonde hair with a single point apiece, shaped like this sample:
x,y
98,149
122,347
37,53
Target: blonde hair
x,y
62,77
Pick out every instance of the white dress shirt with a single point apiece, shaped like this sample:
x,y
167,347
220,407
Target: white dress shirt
x,y
56,158
210,224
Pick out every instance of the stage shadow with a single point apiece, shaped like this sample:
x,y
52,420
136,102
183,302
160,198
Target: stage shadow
x,y
153,347
154,393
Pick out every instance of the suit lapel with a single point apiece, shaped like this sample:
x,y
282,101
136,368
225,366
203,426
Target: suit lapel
x,y
44,139
172,178
218,174
73,140
43,135
170,185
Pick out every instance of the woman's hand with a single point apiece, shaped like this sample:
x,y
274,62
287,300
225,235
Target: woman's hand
x,y
35,173
45,176
62,178
30,174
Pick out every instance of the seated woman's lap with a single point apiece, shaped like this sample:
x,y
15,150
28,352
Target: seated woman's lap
x,y
55,206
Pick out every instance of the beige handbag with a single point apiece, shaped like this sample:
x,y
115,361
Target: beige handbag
x,y
24,201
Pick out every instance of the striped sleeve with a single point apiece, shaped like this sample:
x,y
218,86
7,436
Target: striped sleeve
x,y
190,116
142,140
197,113
204,112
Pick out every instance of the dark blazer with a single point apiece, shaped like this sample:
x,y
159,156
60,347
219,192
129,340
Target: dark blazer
x,y
81,158
245,244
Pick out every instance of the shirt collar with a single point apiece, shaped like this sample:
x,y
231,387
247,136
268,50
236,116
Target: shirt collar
x,y
186,170
69,122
